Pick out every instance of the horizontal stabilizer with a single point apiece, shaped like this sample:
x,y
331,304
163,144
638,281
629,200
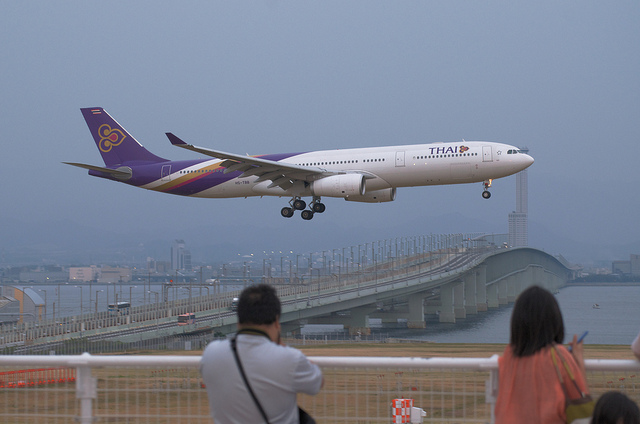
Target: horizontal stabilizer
x,y
122,173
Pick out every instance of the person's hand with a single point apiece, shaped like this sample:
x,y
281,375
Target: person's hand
x,y
578,352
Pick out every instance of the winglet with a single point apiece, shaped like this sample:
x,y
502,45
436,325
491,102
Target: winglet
x,y
175,140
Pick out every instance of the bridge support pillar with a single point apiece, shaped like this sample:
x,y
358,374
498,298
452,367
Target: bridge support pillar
x,y
522,281
432,307
556,282
481,288
359,321
513,288
447,298
502,292
292,327
470,296
458,300
492,296
416,312
537,277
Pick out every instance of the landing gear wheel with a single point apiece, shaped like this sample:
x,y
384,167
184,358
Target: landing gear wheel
x,y
318,207
299,204
307,214
287,212
486,194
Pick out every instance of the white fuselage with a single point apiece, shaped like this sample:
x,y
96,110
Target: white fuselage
x,y
392,167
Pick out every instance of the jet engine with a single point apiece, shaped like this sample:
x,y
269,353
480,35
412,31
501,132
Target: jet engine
x,y
376,196
342,185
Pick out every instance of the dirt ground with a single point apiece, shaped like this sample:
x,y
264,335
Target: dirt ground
x,y
428,350
448,350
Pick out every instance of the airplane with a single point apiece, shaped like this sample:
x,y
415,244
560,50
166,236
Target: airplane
x,y
370,175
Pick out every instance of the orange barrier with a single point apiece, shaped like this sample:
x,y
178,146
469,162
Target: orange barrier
x,y
36,377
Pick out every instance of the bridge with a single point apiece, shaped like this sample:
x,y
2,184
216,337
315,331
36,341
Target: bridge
x,y
450,283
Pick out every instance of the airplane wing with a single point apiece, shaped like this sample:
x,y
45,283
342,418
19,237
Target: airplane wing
x,y
280,174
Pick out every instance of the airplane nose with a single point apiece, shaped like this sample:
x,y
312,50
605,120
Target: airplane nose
x,y
528,160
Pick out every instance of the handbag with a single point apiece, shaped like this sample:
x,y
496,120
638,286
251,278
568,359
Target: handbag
x,y
303,416
580,410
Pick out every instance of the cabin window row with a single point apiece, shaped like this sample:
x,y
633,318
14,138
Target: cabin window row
x,y
445,156
339,162
198,171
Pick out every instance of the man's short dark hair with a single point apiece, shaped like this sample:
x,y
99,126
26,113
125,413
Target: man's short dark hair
x,y
258,305
536,322
615,407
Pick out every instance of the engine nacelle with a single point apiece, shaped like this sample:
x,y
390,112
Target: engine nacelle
x,y
376,196
342,185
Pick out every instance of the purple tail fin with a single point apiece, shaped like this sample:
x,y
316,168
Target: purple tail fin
x,y
116,145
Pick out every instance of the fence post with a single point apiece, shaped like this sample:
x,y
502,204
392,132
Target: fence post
x,y
491,390
86,388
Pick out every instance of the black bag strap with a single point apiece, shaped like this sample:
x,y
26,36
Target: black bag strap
x,y
244,377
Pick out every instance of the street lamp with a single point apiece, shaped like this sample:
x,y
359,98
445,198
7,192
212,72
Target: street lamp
x,y
130,298
97,291
156,308
80,287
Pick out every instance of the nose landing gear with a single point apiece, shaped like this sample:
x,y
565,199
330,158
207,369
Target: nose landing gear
x,y
486,193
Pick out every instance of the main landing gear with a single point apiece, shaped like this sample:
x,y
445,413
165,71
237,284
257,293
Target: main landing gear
x,y
486,193
297,204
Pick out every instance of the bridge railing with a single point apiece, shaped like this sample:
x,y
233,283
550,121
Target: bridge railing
x,y
167,389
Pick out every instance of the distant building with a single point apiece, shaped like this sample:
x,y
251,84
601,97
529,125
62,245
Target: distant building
x,y
635,264
151,264
85,274
180,256
518,230
163,266
9,307
518,219
630,267
114,275
18,305
45,274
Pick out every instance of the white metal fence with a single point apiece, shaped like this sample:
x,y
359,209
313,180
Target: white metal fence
x,y
168,389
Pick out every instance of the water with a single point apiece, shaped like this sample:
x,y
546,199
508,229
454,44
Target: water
x,y
616,322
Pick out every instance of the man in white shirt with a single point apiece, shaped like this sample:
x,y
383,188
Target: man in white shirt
x,y
276,373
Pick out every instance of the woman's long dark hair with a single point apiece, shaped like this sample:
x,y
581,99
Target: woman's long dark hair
x,y
536,322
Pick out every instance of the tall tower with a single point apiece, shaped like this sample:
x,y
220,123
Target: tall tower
x,y
180,256
518,221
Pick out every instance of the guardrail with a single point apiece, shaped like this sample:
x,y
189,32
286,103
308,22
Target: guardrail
x,y
164,389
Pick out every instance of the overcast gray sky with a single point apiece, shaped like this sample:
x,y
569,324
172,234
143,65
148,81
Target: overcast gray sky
x,y
561,78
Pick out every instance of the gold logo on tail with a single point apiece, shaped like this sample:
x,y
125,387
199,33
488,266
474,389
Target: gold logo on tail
x,y
109,137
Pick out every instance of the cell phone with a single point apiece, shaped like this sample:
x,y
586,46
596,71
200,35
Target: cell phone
x,y
580,339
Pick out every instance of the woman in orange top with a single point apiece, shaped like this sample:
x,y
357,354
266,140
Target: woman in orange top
x,y
529,390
